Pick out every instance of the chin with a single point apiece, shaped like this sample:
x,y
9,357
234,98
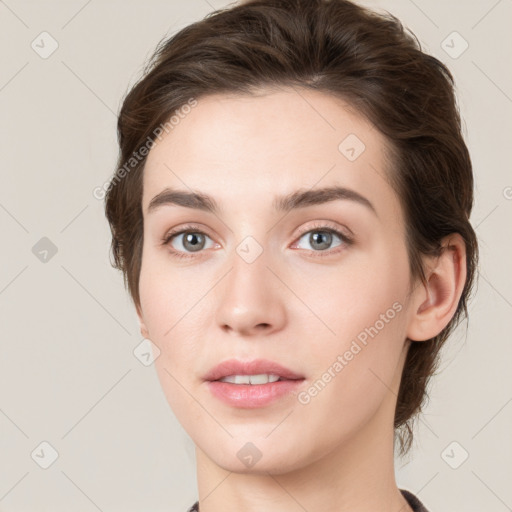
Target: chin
x,y
257,457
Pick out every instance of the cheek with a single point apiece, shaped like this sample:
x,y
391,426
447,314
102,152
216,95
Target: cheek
x,y
173,303
164,294
172,315
355,370
354,295
362,308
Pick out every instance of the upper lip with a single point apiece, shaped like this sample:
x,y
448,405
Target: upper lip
x,y
253,367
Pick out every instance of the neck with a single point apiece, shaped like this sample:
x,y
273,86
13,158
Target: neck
x,y
357,476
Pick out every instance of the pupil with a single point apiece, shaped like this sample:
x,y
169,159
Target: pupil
x,y
315,237
191,238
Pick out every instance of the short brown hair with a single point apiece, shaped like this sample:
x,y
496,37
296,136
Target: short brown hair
x,y
342,49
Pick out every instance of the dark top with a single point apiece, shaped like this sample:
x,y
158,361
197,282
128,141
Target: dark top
x,y
413,501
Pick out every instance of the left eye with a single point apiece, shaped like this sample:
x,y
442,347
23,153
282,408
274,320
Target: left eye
x,y
322,239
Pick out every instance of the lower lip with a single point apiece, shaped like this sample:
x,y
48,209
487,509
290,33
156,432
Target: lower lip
x,y
251,396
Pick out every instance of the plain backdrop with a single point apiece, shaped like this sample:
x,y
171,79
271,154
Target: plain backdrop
x,y
74,394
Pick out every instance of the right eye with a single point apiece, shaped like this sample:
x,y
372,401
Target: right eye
x,y
186,241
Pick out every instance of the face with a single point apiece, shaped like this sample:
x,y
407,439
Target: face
x,y
317,282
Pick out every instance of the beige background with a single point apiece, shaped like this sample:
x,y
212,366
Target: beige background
x,y
68,373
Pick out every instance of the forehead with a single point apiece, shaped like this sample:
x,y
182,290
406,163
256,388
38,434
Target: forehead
x,y
253,147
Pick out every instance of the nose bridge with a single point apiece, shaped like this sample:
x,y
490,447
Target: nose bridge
x,y
250,299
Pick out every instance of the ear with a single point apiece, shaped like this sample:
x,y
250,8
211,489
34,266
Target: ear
x,y
143,329
433,304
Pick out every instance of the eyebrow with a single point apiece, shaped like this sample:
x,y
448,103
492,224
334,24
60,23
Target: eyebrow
x,y
286,203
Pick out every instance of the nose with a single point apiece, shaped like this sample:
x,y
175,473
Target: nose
x,y
251,299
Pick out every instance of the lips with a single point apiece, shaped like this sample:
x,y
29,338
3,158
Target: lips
x,y
253,396
253,367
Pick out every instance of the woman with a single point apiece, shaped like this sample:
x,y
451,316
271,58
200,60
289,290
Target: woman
x,y
291,216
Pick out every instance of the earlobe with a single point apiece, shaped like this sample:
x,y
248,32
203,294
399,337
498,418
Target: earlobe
x,y
144,330
435,302
142,325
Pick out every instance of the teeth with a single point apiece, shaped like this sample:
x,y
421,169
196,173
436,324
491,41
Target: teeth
x,y
263,378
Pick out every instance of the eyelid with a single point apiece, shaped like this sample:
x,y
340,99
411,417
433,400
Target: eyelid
x,y
195,228
323,224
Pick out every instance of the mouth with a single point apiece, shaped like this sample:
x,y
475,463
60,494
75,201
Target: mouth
x,y
251,384
253,380
257,370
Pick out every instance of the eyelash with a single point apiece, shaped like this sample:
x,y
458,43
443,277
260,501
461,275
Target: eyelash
x,y
324,228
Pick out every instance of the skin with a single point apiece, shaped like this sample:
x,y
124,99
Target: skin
x,y
334,453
